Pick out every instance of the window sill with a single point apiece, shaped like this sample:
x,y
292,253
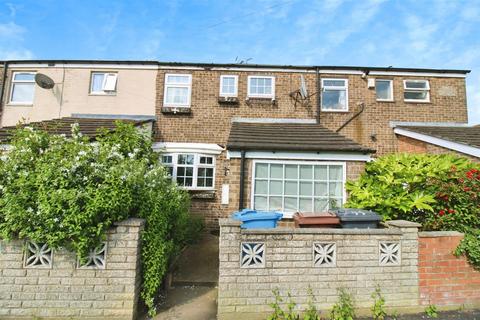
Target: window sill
x,y
380,100
176,110
19,104
202,194
336,111
228,100
103,94
260,101
417,101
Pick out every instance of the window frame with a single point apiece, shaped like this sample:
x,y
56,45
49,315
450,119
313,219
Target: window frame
x,y
335,88
178,85
103,92
12,84
343,164
391,90
228,95
196,165
427,90
261,95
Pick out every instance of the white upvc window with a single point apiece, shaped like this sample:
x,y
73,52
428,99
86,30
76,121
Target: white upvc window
x,y
178,89
290,186
416,90
191,170
22,88
228,86
335,95
261,87
384,89
103,83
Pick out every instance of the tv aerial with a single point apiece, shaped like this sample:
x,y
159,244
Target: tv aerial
x,y
44,81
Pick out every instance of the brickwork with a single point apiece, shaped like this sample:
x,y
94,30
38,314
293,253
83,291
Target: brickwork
x,y
446,280
246,292
64,291
410,145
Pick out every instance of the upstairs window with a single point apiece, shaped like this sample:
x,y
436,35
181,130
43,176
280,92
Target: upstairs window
x,y
384,89
23,88
261,87
103,83
178,88
191,170
228,86
416,91
334,94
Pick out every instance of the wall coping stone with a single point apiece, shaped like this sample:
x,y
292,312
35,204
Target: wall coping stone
x,y
403,224
285,230
131,222
437,234
229,222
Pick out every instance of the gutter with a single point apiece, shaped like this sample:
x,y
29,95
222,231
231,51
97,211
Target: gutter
x,y
2,90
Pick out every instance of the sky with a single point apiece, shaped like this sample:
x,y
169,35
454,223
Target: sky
x,y
399,33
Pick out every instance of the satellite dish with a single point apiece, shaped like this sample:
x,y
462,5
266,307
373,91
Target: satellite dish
x,y
44,81
303,88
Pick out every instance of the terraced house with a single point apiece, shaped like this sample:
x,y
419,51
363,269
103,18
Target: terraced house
x,y
239,135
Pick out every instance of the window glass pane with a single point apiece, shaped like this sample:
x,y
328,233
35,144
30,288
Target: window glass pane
x,y
185,159
335,189
305,205
291,187
275,203
290,204
188,182
260,203
383,89
169,171
189,171
335,203
419,95
228,85
415,85
333,83
178,79
336,173
321,205
276,187
306,172
177,95
22,92
180,171
334,99
291,171
166,159
97,82
321,189
206,160
24,77
276,171
209,172
209,182
261,187
201,182
305,188
321,172
261,170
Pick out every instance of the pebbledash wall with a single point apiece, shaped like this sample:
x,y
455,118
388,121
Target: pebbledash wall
x,y
253,262
55,286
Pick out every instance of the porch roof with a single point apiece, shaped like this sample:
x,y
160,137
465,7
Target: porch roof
x,y
289,137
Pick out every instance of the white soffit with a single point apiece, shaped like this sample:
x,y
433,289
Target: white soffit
x,y
184,147
463,148
273,120
417,74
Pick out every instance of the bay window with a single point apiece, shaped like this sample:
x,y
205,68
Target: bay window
x,y
334,94
191,170
290,187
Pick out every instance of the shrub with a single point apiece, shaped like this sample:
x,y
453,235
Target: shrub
x,y
344,309
67,191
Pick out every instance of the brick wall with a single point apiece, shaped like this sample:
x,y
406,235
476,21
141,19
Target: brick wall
x,y
410,145
445,280
245,292
65,291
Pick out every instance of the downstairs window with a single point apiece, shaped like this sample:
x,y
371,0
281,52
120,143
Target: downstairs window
x,y
191,170
290,187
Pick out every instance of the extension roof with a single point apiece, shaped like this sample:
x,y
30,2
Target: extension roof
x,y
469,136
289,137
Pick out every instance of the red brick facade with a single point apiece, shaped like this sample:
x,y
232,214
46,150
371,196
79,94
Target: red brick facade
x,y
444,279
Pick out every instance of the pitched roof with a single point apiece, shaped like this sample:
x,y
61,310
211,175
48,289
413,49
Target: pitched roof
x,y
289,137
469,136
88,126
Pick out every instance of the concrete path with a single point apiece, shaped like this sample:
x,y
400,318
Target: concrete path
x,y
193,295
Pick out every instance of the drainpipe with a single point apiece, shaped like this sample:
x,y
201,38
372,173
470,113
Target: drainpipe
x,y
4,79
242,180
319,95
